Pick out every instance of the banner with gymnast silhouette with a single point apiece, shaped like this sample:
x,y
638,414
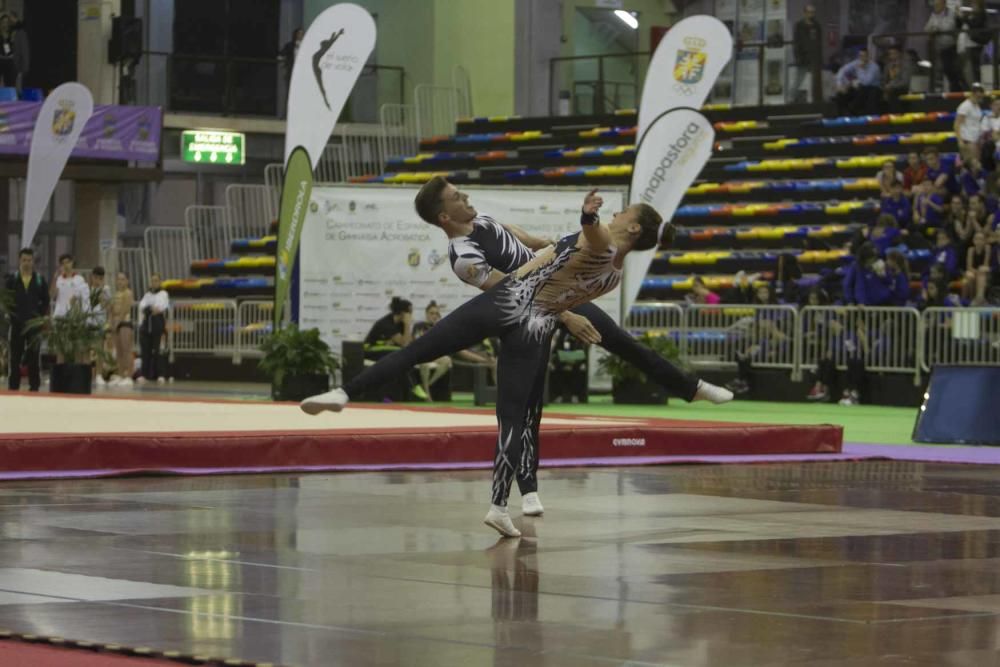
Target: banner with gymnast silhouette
x,y
330,59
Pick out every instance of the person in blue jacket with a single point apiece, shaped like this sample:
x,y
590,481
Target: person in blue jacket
x,y
898,274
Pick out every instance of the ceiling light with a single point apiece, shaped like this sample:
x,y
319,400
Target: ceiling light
x,y
628,18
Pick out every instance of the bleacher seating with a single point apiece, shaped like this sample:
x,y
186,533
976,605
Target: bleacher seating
x,y
784,181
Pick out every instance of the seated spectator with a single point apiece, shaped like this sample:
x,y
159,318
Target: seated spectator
x,y
971,177
945,255
979,218
914,173
938,173
786,284
887,176
898,274
956,222
898,206
936,295
742,289
390,333
433,371
858,87
978,266
896,81
885,234
701,294
928,209
871,283
969,123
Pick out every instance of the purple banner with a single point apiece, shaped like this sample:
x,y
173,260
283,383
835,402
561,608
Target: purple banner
x,y
112,133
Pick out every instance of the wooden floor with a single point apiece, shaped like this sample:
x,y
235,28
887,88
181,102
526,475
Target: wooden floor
x,y
819,564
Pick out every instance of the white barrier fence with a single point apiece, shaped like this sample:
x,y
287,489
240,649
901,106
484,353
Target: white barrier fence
x,y
892,340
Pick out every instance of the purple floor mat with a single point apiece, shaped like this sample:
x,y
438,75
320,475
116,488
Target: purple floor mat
x,y
851,452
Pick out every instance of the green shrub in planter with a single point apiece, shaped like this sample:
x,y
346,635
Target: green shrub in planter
x,y
628,383
75,338
298,362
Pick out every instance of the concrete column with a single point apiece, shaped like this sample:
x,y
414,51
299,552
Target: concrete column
x,y
96,203
97,222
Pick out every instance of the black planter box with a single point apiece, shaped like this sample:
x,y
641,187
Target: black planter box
x,y
298,387
639,393
71,379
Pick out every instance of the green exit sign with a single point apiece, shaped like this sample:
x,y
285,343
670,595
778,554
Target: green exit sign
x,y
208,146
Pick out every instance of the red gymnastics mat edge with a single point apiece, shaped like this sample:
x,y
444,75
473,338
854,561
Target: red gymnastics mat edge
x,y
392,449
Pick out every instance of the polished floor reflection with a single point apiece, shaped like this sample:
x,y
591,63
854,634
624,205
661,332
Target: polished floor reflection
x,y
821,564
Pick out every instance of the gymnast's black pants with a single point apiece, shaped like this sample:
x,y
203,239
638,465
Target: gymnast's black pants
x,y
524,353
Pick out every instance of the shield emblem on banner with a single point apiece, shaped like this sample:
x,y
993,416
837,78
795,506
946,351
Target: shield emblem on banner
x,y
62,122
690,66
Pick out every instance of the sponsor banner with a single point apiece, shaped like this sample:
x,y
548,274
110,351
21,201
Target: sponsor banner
x,y
684,67
59,124
669,157
330,58
112,133
681,74
363,245
294,205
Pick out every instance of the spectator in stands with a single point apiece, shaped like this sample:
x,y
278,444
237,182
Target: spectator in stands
x,y
969,123
979,218
936,295
807,46
957,221
945,255
942,25
390,333
701,294
99,304
989,136
152,326
767,338
431,372
68,287
786,284
896,81
871,281
884,234
898,274
928,209
887,176
858,86
975,21
14,52
818,339
971,178
914,173
122,330
898,206
978,266
938,173
30,299
742,290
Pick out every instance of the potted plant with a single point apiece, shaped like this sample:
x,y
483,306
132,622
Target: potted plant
x,y
298,362
628,383
76,339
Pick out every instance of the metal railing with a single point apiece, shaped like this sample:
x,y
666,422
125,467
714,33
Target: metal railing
x,y
887,338
208,231
254,322
437,108
719,335
169,251
890,340
399,134
203,327
133,262
249,211
961,336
